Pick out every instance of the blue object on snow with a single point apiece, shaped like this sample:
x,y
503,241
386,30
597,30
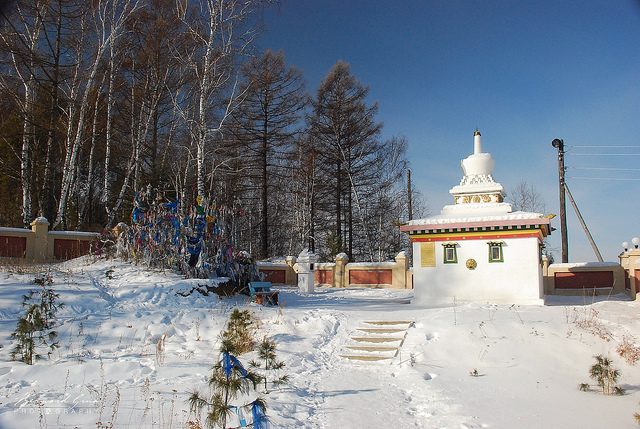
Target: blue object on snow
x,y
260,420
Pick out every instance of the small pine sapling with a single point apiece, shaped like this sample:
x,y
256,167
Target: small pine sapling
x,y
35,328
238,338
230,381
267,362
28,326
606,376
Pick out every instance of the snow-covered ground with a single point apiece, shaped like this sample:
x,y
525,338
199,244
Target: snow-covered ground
x,y
530,360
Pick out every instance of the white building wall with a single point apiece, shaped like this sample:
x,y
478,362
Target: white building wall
x,y
516,280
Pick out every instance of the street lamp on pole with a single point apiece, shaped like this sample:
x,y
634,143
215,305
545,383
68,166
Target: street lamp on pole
x,y
559,144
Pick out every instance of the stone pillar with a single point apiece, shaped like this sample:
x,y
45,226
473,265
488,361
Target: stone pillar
x,y
547,283
306,271
340,274
38,249
630,261
290,276
399,279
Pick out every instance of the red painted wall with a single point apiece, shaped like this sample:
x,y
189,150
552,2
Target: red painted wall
x,y
584,279
370,277
13,247
69,249
324,277
274,275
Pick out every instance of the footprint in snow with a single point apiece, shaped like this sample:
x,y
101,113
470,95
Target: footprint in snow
x,y
428,376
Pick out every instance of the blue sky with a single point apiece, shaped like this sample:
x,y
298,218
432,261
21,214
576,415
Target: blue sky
x,y
522,72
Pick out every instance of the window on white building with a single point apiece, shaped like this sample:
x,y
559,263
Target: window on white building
x,y
450,254
495,251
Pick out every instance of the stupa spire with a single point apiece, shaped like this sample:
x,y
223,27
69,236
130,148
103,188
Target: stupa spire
x,y
477,144
478,190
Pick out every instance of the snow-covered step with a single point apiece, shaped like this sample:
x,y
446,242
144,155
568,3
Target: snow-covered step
x,y
373,348
382,330
372,339
395,323
380,340
367,357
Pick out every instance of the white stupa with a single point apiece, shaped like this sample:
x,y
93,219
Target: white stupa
x,y
477,191
478,248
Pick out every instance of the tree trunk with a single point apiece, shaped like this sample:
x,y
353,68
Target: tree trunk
x,y
339,202
29,83
25,172
107,156
264,232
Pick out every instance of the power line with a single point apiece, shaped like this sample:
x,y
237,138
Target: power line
x,y
601,178
604,146
603,168
605,154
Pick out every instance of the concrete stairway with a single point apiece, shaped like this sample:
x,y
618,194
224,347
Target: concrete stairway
x,y
377,341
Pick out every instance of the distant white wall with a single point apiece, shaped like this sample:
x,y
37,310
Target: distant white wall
x,y
516,280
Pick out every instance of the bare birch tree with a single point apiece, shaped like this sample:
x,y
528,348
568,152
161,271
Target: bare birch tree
x,y
22,42
524,197
108,18
221,32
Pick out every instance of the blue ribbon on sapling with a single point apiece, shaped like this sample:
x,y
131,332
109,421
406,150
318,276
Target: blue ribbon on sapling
x,y
240,414
229,362
260,420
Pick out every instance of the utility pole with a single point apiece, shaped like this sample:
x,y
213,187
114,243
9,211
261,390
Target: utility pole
x,y
559,144
410,213
409,193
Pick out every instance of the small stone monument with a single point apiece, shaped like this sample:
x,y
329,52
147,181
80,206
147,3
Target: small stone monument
x,y
306,271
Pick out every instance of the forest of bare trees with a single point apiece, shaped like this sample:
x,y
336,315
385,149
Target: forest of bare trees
x,y
104,99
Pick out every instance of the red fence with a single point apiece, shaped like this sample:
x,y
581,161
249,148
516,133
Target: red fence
x,y
597,278
324,277
41,245
275,275
13,247
584,280
69,249
370,277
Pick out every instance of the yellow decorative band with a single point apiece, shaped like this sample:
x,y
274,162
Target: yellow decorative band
x,y
480,235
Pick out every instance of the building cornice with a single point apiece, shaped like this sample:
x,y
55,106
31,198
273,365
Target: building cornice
x,y
473,226
479,235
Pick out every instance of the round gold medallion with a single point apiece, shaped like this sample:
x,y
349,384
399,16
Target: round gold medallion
x,y
472,264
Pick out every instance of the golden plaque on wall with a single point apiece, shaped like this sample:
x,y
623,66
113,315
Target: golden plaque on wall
x,y
427,254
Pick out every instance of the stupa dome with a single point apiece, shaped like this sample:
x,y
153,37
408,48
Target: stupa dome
x,y
478,190
479,163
